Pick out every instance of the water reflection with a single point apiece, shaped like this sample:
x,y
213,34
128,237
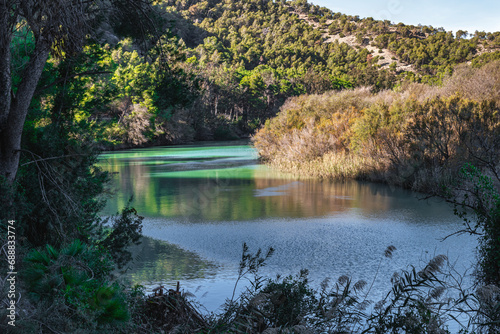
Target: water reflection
x,y
157,262
205,192
206,200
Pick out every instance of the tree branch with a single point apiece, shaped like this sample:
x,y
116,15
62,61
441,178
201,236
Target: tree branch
x,y
51,158
40,89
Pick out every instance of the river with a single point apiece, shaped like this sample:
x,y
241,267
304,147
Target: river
x,y
201,202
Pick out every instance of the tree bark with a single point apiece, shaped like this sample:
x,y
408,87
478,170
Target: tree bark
x,y
12,119
5,58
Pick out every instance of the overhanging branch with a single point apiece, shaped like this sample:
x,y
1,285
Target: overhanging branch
x,y
40,89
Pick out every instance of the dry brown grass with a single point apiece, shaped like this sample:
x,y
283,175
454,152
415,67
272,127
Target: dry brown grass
x,y
414,136
478,84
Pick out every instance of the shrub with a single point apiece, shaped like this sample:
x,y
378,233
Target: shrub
x,y
417,303
76,276
288,300
125,230
416,136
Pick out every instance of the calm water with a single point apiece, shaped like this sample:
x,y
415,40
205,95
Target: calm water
x,y
202,202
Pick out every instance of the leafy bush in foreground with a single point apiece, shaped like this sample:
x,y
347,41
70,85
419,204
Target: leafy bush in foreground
x,y
74,283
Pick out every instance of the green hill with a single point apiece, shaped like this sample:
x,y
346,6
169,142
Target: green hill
x,y
219,69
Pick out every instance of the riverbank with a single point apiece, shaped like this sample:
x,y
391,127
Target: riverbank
x,y
416,137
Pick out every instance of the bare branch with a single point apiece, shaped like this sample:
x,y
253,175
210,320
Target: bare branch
x,y
51,158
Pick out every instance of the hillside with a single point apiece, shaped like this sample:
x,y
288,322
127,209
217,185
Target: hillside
x,y
383,39
421,49
384,57
220,69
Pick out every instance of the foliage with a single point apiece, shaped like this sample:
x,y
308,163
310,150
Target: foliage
x,y
239,313
474,192
77,276
197,70
125,230
74,282
167,312
288,300
58,187
414,137
420,301
219,69
477,201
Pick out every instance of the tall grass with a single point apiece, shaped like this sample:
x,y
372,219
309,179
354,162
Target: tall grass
x,y
331,165
415,136
431,299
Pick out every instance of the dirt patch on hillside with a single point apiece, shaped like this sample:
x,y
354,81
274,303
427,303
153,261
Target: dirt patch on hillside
x,y
386,57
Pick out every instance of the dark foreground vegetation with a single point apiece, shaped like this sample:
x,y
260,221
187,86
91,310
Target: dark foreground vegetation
x,y
77,77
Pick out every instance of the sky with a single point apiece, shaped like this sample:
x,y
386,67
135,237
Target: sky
x,y
452,15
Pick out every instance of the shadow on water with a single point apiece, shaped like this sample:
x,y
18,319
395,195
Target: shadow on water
x,y
157,262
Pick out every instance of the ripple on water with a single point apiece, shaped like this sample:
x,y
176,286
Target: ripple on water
x,y
201,202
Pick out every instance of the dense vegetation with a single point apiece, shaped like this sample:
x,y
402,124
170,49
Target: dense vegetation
x,y
412,136
439,140
195,70
219,69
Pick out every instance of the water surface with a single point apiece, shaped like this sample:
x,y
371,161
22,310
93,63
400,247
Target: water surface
x,y
201,202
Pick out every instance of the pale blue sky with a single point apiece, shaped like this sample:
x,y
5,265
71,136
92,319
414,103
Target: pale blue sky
x,y
481,15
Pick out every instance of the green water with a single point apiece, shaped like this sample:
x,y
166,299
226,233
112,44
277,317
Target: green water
x,y
224,182
190,182
201,202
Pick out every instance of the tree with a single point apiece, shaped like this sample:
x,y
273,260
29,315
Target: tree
x,y
57,27
462,34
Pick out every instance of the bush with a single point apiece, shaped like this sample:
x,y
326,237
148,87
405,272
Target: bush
x,y
415,137
288,300
124,231
417,303
75,278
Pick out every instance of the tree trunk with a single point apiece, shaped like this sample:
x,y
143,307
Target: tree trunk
x,y
12,119
5,58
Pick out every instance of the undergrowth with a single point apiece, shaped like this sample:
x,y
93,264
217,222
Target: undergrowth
x,y
431,299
